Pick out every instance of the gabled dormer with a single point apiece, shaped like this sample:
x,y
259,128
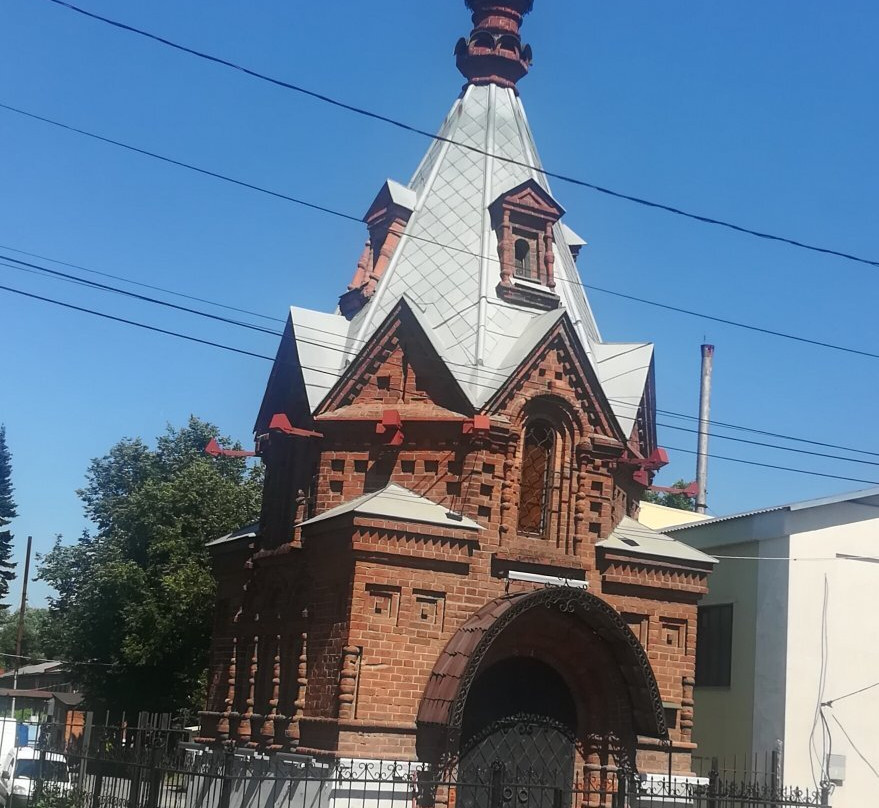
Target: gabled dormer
x,y
523,220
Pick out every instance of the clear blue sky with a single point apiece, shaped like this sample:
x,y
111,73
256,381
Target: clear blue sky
x,y
763,113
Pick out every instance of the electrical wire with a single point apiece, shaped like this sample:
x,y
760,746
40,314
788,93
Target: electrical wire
x,y
782,436
106,287
821,762
773,466
322,97
771,445
790,558
854,746
230,348
715,423
831,702
31,267
350,217
135,323
141,284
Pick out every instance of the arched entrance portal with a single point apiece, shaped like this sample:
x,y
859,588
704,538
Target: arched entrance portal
x,y
518,736
549,688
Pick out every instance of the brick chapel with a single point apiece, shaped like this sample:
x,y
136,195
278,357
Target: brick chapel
x,y
454,457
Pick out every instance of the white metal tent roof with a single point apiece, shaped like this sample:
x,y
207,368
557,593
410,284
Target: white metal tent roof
x,y
633,537
446,266
395,502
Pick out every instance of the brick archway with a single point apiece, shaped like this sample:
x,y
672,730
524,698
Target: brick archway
x,y
489,635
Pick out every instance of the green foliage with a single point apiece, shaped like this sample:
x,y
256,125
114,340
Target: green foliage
x,y
52,795
7,514
33,636
138,594
679,501
7,503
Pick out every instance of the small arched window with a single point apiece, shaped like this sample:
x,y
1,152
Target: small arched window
x,y
522,255
483,39
536,478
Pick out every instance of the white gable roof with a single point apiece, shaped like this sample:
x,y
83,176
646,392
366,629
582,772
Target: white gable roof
x,y
395,502
321,343
622,368
633,537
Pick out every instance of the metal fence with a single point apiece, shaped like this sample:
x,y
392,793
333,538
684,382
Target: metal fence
x,y
152,767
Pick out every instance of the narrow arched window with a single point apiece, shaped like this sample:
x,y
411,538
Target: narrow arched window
x,y
536,478
522,255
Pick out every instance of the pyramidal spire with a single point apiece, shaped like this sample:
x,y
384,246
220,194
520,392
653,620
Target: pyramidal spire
x,y
475,244
494,53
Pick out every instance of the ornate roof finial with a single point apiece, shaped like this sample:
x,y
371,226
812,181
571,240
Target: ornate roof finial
x,y
494,53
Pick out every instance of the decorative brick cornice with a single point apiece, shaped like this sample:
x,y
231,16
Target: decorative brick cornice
x,y
671,580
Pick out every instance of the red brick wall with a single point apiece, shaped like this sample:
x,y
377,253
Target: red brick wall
x,y
384,599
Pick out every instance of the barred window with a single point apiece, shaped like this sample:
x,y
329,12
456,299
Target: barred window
x,y
714,645
536,478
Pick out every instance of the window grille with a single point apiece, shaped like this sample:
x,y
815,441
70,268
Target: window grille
x,y
536,477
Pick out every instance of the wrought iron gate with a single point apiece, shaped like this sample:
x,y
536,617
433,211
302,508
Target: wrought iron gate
x,y
521,761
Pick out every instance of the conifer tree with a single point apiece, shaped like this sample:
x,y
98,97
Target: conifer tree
x,y
7,514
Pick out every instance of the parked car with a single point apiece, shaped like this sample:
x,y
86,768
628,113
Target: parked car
x,y
21,769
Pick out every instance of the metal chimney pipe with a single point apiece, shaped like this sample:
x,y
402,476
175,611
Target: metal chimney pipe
x,y
704,421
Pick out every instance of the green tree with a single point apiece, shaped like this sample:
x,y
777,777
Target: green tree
x,y
7,514
33,636
135,598
680,501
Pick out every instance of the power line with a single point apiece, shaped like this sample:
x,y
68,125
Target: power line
x,y
726,321
141,284
156,301
773,446
36,268
434,137
868,559
213,344
126,321
773,466
351,217
671,413
181,164
726,425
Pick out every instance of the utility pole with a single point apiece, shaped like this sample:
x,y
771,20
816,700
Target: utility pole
x,y
27,572
704,421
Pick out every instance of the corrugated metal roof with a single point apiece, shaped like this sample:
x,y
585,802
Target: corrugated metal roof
x,y
30,670
398,503
633,537
802,505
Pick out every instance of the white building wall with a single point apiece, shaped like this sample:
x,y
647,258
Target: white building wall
x,y
770,647
852,646
722,724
